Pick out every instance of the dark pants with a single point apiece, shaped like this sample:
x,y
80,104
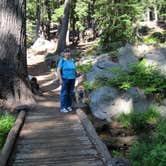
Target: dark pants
x,y
67,93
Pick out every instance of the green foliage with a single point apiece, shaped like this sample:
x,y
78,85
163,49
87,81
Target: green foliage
x,y
93,50
88,86
84,68
116,154
139,120
6,123
81,10
146,77
149,40
116,20
58,13
151,152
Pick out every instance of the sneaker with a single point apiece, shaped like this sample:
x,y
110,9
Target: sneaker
x,y
69,109
64,110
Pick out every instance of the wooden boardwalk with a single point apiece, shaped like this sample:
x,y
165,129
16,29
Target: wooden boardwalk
x,y
51,138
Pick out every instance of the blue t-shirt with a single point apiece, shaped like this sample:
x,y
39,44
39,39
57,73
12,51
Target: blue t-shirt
x,y
68,68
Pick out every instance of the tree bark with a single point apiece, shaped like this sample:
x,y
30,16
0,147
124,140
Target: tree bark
x,y
73,21
147,14
37,19
14,89
62,37
47,5
155,13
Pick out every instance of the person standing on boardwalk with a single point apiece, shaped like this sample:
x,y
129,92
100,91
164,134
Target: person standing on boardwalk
x,y
67,74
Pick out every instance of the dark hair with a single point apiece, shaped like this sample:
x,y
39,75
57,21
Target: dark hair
x,y
67,50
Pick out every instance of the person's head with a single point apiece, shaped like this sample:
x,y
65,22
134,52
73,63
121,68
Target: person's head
x,y
67,53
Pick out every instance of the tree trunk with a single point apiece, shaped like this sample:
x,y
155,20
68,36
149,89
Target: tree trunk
x,y
73,21
147,14
62,37
37,19
47,5
14,89
155,13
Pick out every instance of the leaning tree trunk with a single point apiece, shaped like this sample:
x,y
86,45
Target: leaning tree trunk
x,y
62,37
14,89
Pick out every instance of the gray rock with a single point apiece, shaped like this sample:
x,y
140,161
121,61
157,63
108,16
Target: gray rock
x,y
87,59
164,102
101,69
158,59
127,56
140,101
162,110
100,101
41,46
108,102
143,49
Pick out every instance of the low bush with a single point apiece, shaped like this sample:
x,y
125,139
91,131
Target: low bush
x,y
83,68
153,151
139,120
145,77
6,123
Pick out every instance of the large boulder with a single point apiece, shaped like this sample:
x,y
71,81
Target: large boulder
x,y
140,102
42,46
141,50
102,69
158,59
91,59
100,101
108,102
127,56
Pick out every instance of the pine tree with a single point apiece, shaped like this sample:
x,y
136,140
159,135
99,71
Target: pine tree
x,y
14,89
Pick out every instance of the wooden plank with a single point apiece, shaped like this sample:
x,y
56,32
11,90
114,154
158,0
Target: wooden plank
x,y
54,143
100,146
51,129
52,120
41,153
49,135
55,121
37,125
22,148
78,163
60,160
57,154
36,117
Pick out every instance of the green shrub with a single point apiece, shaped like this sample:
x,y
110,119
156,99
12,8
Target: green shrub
x,y
116,154
139,120
149,40
6,123
83,68
146,77
153,151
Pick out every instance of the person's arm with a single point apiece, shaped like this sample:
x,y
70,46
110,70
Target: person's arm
x,y
59,75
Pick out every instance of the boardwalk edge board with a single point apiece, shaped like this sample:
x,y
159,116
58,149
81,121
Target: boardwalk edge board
x,y
100,146
11,138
